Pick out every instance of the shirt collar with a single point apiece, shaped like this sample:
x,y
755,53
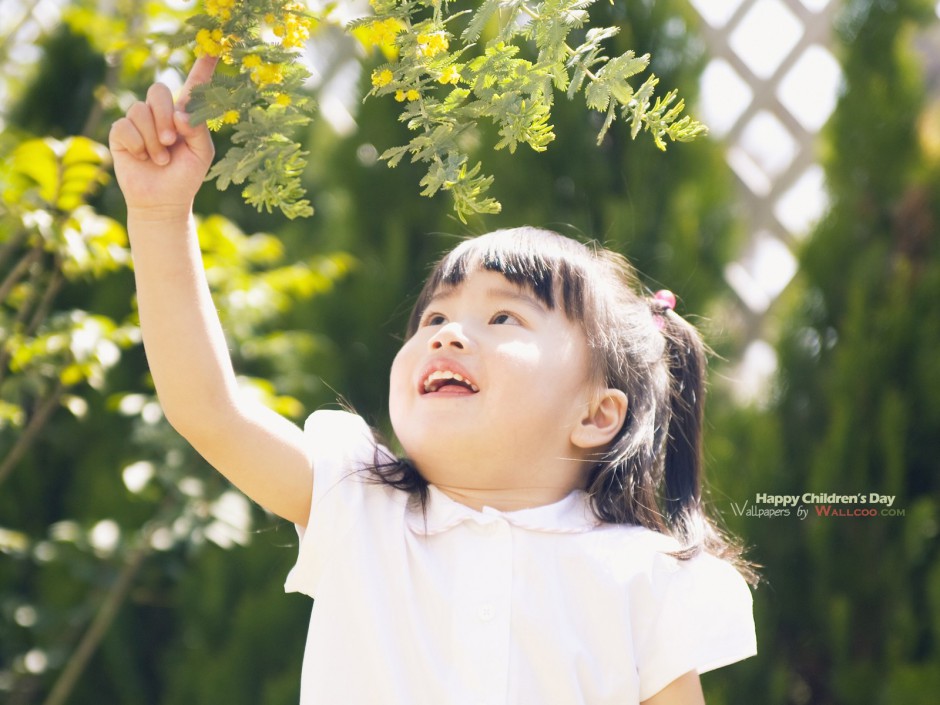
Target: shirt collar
x,y
569,515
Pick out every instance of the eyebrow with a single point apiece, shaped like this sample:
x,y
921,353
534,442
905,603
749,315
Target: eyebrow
x,y
496,292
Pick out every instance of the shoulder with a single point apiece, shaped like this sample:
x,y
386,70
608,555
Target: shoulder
x,y
695,587
631,554
340,437
347,500
650,556
344,454
678,615
686,615
337,425
702,594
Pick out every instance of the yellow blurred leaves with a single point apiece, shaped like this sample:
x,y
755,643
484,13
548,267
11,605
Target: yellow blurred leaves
x,y
60,174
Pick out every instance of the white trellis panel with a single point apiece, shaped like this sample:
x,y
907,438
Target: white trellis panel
x,y
769,87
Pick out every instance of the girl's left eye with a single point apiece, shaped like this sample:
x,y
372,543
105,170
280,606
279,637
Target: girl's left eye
x,y
504,318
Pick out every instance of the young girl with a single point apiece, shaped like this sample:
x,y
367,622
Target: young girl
x,y
542,541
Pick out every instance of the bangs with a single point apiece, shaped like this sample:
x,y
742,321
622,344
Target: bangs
x,y
552,267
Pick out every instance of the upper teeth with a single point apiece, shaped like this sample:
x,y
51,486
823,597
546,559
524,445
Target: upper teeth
x,y
447,374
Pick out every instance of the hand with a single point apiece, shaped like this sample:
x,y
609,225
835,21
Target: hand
x,y
160,160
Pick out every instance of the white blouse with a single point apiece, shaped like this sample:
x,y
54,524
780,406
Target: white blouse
x,y
460,607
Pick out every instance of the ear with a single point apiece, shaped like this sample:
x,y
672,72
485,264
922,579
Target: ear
x,y
603,420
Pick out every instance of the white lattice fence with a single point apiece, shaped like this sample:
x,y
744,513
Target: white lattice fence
x,y
770,86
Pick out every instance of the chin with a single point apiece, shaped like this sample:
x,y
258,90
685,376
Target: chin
x,y
430,445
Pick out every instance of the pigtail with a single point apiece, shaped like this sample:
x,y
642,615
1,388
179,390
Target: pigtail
x,y
683,506
682,467
682,476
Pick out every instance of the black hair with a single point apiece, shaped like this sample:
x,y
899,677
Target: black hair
x,y
651,473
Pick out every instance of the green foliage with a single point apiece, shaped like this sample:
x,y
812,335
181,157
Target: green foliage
x,y
259,91
56,354
50,237
451,70
249,284
107,494
57,101
852,602
53,175
451,79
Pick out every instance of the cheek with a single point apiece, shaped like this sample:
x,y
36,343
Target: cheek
x,y
515,363
401,378
556,362
396,396
566,380
533,376
517,353
399,375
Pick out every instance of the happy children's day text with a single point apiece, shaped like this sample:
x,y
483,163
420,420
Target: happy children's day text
x,y
861,505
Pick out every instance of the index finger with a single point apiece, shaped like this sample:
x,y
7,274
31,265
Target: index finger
x,y
200,73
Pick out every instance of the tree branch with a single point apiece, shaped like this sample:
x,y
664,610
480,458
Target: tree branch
x,y
99,626
19,270
31,431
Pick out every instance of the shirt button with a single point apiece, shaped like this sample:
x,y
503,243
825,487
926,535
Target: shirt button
x,y
489,528
486,612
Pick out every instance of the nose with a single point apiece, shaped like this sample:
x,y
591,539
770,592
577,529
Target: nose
x,y
449,336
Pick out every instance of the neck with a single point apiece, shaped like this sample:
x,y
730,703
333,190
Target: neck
x,y
506,500
503,483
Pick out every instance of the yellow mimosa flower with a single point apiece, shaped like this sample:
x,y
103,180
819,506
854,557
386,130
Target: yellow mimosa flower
x,y
449,75
382,78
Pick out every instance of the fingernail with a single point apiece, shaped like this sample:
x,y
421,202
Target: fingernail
x,y
162,159
168,137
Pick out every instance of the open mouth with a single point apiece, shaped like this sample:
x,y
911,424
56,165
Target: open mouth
x,y
445,381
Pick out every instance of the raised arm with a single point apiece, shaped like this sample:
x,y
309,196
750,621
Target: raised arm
x,y
160,162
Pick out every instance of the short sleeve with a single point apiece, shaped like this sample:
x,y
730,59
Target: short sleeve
x,y
341,447
700,618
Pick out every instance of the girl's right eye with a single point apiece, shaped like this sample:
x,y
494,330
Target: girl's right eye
x,y
433,319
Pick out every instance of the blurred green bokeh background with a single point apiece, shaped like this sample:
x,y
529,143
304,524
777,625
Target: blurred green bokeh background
x,y
130,573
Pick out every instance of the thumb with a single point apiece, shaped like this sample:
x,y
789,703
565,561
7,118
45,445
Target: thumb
x,y
197,138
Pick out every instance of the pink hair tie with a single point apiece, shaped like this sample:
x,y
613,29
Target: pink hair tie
x,y
667,302
666,298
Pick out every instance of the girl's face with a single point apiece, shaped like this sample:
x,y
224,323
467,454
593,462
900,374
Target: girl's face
x,y
487,392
